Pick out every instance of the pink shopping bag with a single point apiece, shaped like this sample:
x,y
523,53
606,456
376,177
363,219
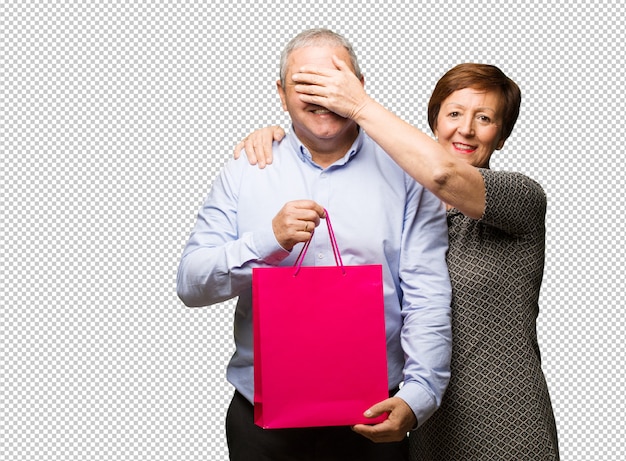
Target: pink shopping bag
x,y
319,343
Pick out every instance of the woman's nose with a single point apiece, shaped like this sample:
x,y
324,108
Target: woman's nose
x,y
466,127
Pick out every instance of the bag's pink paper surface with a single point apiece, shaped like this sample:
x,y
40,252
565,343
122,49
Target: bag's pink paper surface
x,y
319,345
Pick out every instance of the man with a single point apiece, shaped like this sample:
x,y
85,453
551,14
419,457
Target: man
x,y
256,217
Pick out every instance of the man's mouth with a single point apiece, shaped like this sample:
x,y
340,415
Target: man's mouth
x,y
321,111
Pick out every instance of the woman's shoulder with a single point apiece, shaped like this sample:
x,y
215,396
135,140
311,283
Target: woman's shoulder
x,y
513,184
514,201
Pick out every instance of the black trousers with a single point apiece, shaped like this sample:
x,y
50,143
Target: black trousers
x,y
249,442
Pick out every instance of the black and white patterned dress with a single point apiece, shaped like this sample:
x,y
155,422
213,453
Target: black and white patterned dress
x,y
497,405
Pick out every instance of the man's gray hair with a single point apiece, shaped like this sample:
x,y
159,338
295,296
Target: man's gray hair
x,y
312,37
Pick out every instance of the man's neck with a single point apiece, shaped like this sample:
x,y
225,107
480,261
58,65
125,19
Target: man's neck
x,y
326,152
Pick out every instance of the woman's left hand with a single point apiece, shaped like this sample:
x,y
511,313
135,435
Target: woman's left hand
x,y
258,145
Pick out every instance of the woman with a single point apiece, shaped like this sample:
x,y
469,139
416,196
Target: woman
x,y
497,405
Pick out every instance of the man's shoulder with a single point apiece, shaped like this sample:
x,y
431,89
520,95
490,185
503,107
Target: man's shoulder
x,y
383,159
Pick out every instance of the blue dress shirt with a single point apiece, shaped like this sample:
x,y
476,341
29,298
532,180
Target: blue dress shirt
x,y
380,215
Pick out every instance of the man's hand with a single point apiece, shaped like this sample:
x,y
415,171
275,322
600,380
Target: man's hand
x,y
296,221
400,421
258,145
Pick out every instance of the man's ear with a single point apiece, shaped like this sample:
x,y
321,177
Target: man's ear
x,y
281,94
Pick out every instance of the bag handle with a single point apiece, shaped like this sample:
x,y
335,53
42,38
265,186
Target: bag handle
x,y
333,244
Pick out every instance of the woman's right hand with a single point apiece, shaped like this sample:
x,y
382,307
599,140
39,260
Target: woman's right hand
x,y
258,145
338,90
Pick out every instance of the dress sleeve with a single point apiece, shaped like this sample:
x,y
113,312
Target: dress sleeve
x,y
515,203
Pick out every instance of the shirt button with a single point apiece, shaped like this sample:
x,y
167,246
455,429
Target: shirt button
x,y
320,256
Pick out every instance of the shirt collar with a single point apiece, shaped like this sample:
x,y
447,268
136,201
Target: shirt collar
x,y
305,155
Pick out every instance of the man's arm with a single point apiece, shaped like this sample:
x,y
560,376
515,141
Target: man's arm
x,y
427,294
426,331
217,261
232,236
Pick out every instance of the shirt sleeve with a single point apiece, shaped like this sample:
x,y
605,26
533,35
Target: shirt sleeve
x,y
426,296
217,261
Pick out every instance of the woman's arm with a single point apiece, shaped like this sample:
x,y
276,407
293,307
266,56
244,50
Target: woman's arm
x,y
455,182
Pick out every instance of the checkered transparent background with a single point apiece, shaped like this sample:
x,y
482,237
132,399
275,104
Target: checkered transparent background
x,y
116,116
